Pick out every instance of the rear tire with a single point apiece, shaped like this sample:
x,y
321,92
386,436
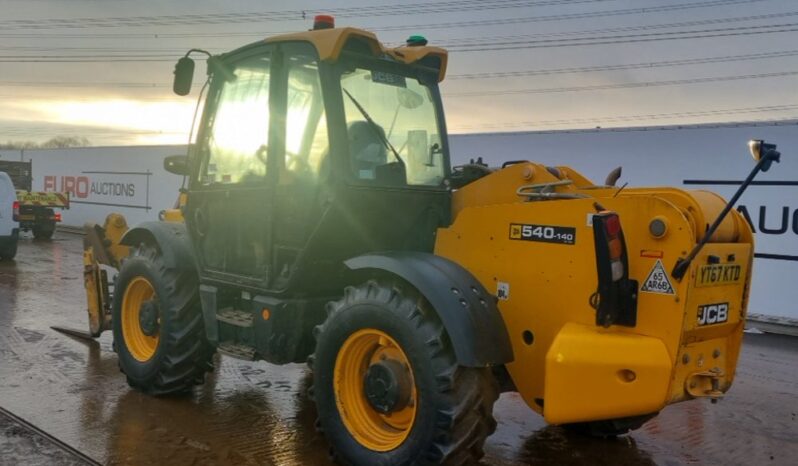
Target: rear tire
x,y
158,328
444,418
44,230
9,251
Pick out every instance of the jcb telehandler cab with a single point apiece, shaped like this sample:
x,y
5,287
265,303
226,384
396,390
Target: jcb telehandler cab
x,y
320,221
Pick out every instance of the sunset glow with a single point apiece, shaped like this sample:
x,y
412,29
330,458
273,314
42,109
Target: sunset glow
x,y
146,122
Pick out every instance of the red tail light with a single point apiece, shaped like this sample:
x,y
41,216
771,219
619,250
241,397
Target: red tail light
x,y
612,225
615,301
15,213
57,217
615,247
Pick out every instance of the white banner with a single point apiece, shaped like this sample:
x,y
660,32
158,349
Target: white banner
x,y
128,180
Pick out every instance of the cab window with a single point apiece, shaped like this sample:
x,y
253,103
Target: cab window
x,y
392,127
306,141
237,135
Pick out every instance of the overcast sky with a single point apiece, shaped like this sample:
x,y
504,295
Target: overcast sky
x,y
102,69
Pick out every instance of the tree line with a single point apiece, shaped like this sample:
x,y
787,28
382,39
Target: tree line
x,y
58,142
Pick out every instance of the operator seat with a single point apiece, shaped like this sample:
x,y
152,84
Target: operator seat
x,y
367,148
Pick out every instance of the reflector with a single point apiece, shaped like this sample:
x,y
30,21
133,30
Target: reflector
x,y
616,248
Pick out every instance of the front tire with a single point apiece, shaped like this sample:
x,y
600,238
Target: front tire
x,y
388,387
158,329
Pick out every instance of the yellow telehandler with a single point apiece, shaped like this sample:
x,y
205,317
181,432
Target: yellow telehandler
x,y
320,221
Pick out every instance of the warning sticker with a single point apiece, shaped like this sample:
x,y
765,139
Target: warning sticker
x,y
657,281
503,291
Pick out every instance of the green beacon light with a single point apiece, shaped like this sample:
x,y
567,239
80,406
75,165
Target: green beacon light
x,y
416,41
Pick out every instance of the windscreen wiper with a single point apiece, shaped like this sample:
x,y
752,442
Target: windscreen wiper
x,y
375,127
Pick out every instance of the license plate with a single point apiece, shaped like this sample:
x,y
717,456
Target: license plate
x,y
719,274
25,218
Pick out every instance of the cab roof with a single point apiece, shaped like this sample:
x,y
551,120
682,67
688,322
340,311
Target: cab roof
x,y
329,44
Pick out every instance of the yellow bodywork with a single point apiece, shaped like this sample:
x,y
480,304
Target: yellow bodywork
x,y
175,215
375,430
101,246
566,367
329,44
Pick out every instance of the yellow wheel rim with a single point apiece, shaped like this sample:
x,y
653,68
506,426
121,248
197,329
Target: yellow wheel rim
x,y
371,428
141,346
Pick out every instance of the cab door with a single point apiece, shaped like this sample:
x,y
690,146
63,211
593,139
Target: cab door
x,y
229,207
304,151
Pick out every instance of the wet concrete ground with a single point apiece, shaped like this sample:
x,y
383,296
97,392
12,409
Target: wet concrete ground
x,y
20,441
257,413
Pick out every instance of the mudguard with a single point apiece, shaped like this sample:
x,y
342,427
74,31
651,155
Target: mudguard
x,y
171,239
467,311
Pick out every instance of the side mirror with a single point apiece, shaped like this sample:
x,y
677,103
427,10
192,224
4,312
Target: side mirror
x,y
764,154
184,75
177,164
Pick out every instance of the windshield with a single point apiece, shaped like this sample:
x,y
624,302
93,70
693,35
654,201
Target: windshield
x,y
391,120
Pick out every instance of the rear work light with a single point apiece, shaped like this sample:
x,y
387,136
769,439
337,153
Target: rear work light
x,y
616,299
15,211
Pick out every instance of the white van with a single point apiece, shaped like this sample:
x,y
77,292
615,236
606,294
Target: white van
x,y
9,211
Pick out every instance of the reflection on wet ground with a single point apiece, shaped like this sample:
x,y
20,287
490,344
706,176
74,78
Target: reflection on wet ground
x,y
257,413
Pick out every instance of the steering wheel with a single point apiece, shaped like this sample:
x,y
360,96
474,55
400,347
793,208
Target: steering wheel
x,y
295,163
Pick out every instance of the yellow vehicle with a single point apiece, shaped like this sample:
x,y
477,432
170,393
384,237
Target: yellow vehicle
x,y
320,221
34,210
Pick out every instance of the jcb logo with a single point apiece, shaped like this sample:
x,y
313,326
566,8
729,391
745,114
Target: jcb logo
x,y
713,313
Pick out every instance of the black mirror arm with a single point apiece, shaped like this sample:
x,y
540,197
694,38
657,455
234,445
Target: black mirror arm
x,y
682,264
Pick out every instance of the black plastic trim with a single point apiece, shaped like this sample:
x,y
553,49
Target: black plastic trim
x,y
170,238
617,301
469,314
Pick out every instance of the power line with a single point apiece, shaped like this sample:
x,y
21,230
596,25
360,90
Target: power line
x,y
46,49
632,38
227,18
601,87
627,118
681,24
50,98
791,120
463,42
546,43
569,16
281,15
466,40
629,66
505,74
66,84
84,60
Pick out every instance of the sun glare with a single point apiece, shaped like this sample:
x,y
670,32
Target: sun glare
x,y
147,122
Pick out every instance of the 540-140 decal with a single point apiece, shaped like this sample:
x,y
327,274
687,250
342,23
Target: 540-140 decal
x,y
543,233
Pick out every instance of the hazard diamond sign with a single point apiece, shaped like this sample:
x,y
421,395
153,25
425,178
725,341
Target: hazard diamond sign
x,y
657,281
